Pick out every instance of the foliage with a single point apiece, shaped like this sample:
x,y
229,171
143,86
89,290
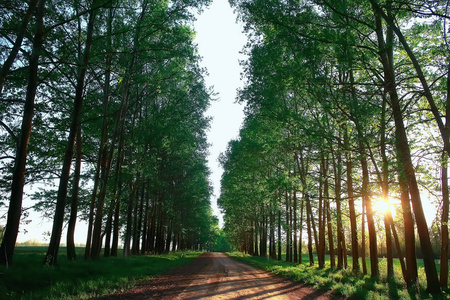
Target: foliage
x,y
143,124
222,244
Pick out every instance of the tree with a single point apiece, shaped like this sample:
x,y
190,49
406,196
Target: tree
x,y
52,251
18,180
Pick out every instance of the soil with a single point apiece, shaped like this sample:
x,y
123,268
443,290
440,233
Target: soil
x,y
217,276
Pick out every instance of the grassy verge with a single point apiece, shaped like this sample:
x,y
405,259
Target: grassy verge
x,y
344,282
28,278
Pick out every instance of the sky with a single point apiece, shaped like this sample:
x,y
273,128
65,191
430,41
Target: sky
x,y
220,41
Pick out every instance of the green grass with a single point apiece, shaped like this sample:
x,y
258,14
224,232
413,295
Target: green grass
x,y
28,278
344,282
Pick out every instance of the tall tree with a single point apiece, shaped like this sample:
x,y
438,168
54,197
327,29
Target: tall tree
x,y
53,248
18,180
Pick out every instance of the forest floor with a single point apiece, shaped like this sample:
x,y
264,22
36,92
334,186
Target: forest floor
x,y
217,276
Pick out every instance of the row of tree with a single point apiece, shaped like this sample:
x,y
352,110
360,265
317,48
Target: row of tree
x,y
347,102
113,90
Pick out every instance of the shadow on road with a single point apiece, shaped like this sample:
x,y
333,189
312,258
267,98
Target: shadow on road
x,y
216,276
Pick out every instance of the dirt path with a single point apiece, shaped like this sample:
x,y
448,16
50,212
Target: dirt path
x,y
216,276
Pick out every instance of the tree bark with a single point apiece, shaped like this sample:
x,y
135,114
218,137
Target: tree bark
x,y
71,254
279,234
322,219
445,196
337,161
300,244
363,234
328,216
116,228
144,245
374,269
129,221
351,205
444,224
295,226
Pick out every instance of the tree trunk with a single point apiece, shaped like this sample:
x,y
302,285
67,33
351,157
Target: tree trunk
x,y
129,222
373,250
141,223
169,237
108,229
328,216
363,234
52,251
295,227
18,177
337,191
136,222
116,228
351,205
445,196
410,239
273,251
308,230
144,246
288,228
18,42
71,254
255,236
87,249
322,217
279,234
151,237
444,223
385,191
300,244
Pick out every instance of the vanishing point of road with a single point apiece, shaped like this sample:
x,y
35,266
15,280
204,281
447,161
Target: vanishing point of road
x,y
217,276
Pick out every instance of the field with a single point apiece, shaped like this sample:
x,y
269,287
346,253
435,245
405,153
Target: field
x,y
345,282
28,278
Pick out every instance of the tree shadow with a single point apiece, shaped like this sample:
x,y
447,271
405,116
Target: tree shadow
x,y
363,291
393,288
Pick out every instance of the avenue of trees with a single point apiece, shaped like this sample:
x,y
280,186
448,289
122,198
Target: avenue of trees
x,y
102,108
347,108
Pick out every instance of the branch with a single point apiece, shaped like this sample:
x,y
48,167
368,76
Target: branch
x,y
9,131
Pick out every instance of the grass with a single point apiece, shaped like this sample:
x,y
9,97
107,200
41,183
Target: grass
x,y
344,282
28,278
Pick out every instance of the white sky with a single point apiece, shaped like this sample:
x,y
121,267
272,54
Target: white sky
x,y
220,40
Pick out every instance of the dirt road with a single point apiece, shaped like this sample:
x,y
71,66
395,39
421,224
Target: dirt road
x,y
216,276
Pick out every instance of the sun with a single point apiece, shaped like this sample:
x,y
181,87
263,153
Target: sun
x,y
382,206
